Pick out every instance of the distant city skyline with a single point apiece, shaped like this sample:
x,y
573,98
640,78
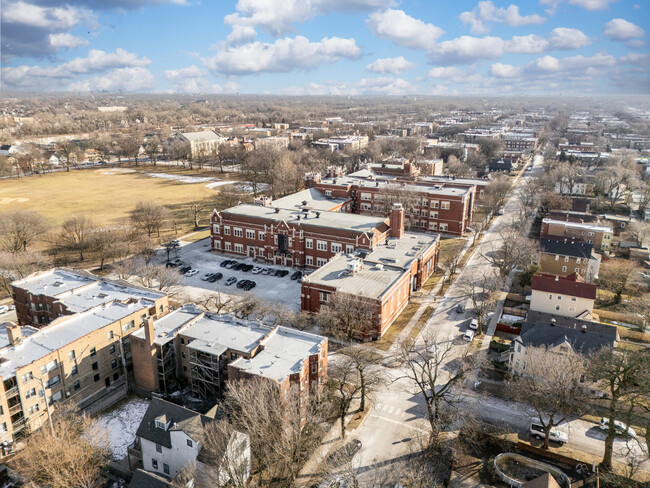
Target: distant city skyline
x,y
320,47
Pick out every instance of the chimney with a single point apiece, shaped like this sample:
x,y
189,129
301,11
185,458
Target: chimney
x,y
397,221
15,334
148,331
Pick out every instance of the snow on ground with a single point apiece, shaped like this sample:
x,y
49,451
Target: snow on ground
x,y
268,288
220,183
121,423
181,178
114,171
248,188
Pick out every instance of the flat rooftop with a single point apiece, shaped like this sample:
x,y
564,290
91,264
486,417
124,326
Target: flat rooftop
x,y
215,334
367,179
314,199
26,330
284,354
332,220
105,291
578,225
401,252
63,331
166,328
55,281
370,280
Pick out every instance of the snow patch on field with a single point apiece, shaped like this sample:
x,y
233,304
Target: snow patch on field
x,y
121,423
181,178
220,183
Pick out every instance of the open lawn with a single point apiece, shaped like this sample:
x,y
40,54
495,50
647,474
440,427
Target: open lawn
x,y
106,194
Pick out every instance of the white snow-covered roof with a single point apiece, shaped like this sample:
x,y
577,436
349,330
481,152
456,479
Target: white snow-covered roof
x,y
215,334
166,327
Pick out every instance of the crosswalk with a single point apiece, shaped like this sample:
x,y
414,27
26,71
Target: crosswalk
x,y
406,418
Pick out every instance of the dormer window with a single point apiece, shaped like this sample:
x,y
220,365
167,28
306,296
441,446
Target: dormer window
x,y
160,424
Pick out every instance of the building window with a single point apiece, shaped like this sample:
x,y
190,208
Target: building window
x,y
433,215
321,262
324,296
309,244
114,364
217,244
128,326
183,355
260,235
433,225
166,468
336,247
314,368
349,249
233,356
27,377
71,354
237,232
366,196
73,371
30,393
158,448
93,352
112,349
154,463
577,260
250,234
226,230
239,248
76,385
227,246
53,381
96,378
435,203
215,229
444,226
189,443
33,409
182,340
309,260
95,366
321,245
563,269
557,257
49,367
110,334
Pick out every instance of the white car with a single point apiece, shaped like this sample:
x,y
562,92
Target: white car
x,y
4,309
192,272
473,324
620,427
537,431
256,270
468,335
206,276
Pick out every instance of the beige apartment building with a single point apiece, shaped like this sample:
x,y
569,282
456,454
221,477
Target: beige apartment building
x,y
563,257
599,235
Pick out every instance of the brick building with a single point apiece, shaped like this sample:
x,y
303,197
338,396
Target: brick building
x,y
563,257
598,235
44,296
206,350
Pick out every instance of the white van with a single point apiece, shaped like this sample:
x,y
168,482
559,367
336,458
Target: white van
x,y
468,335
537,431
473,324
619,427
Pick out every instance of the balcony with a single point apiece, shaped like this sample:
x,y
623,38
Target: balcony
x,y
15,409
11,392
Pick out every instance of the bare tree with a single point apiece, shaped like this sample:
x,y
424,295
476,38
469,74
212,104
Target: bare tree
x,y
483,292
67,153
158,277
195,210
617,276
490,147
451,256
73,453
106,244
434,369
516,251
364,360
152,148
19,265
348,316
125,269
479,224
622,374
18,229
496,193
149,217
456,167
344,388
553,384
567,176
639,231
77,233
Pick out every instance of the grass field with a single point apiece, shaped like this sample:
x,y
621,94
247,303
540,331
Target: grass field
x,y
107,195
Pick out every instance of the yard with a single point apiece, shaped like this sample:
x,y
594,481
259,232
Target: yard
x,y
108,194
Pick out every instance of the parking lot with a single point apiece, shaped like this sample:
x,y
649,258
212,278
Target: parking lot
x,y
269,288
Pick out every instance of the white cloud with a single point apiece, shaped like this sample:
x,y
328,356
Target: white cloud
x,y
592,4
121,79
67,40
486,12
241,34
390,65
278,16
640,59
403,30
467,49
195,80
622,30
50,18
122,63
505,70
387,85
566,38
446,72
549,67
281,56
635,43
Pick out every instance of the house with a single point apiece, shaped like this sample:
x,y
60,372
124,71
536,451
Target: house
x,y
202,142
566,296
563,257
171,437
572,216
500,166
145,479
599,235
618,222
54,161
559,334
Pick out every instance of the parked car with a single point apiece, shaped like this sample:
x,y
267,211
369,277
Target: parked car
x,y
266,271
281,273
346,453
206,276
192,272
239,266
174,263
247,267
296,276
231,264
249,285
256,270
241,283
215,277
460,308
4,309
175,242
230,281
502,211
225,263
620,427
473,324
537,431
468,335
184,269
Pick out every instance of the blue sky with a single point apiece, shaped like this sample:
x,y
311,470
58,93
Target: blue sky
x,y
339,47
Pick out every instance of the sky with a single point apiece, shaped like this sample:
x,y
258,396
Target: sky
x,y
320,47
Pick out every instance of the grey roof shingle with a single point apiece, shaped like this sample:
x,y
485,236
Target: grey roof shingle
x,y
144,479
566,248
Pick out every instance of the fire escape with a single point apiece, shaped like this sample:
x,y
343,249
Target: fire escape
x,y
206,377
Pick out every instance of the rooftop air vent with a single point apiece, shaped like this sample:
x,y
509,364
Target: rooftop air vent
x,y
277,210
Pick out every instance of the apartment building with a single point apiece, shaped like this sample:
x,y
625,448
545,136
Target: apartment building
x,y
599,235
44,296
210,349
351,143
563,296
84,358
562,257
202,142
